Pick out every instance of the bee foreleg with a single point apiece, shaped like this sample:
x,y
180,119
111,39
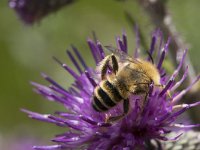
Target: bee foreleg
x,y
126,106
105,66
125,109
146,96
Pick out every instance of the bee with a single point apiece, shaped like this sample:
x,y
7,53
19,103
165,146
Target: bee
x,y
122,76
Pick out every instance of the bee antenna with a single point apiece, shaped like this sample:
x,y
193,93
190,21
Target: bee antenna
x,y
150,56
162,75
115,50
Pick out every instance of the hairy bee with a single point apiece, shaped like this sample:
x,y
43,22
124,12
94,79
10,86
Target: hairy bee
x,y
127,76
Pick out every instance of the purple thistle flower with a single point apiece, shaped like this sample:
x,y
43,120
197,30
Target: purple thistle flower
x,y
88,129
31,11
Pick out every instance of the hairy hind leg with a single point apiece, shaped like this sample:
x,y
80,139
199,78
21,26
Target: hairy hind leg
x,y
125,109
105,65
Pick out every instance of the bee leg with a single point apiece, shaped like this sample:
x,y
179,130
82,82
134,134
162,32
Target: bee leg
x,y
126,110
114,63
126,106
146,95
105,66
107,118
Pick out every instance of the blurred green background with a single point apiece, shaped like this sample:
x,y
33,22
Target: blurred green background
x,y
26,51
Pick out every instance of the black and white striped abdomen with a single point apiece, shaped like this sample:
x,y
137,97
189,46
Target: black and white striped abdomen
x,y
105,96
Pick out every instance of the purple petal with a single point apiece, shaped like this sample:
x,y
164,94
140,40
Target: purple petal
x,y
165,49
74,62
181,81
183,92
79,57
95,51
152,48
67,68
100,48
50,147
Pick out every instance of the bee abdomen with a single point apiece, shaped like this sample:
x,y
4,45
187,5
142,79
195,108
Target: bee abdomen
x,y
105,96
113,91
101,100
97,105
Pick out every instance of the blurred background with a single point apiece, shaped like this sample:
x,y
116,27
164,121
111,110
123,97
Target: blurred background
x,y
26,51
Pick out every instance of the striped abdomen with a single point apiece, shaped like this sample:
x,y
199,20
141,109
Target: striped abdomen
x,y
105,96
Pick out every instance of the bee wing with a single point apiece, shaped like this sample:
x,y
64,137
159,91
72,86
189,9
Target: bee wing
x,y
139,73
123,57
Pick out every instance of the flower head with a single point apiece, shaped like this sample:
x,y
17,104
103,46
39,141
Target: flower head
x,y
31,11
146,122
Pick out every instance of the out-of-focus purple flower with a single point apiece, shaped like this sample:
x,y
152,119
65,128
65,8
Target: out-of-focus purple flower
x,y
88,129
31,11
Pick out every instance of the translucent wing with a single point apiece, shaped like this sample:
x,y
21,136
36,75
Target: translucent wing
x,y
123,57
139,73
